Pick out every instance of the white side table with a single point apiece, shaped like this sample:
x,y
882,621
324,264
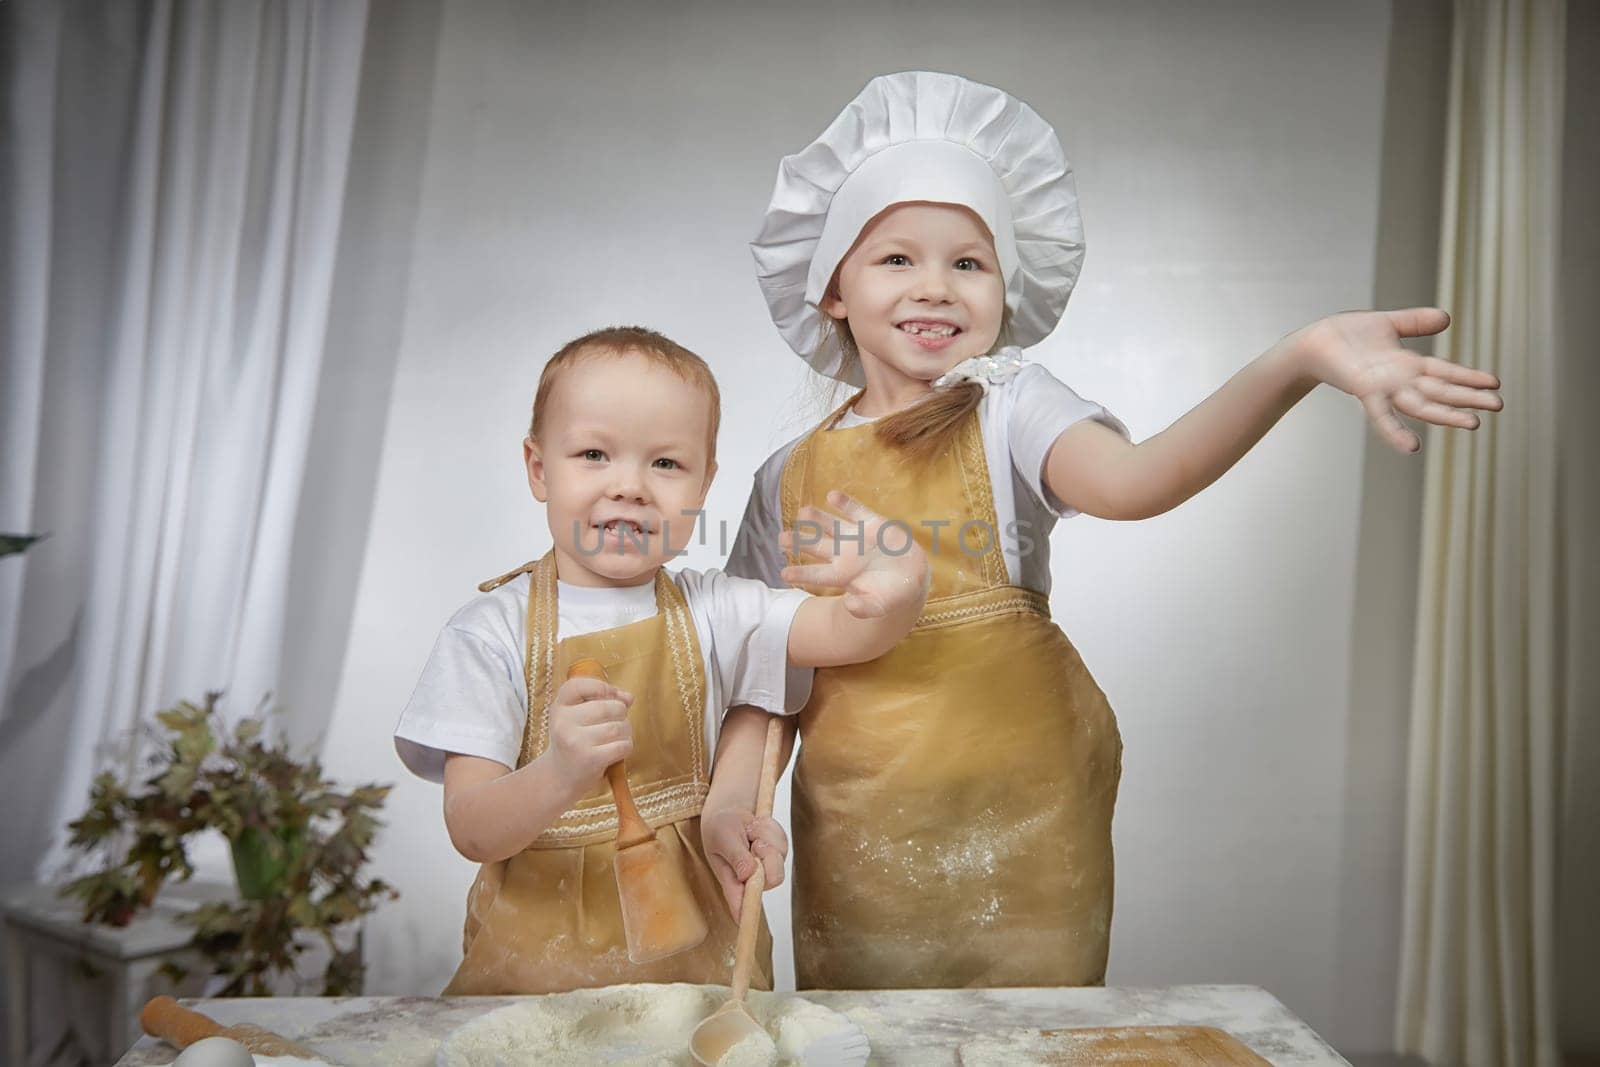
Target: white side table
x,y
43,930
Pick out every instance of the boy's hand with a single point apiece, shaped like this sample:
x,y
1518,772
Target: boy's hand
x,y
589,731
1360,353
734,840
880,567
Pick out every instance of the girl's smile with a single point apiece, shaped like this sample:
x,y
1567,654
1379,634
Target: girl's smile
x,y
931,334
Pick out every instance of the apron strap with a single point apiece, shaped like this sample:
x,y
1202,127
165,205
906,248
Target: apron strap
x,y
495,583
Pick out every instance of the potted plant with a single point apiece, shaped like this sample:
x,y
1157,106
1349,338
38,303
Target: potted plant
x,y
298,845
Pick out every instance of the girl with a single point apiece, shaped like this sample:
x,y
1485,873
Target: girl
x,y
952,800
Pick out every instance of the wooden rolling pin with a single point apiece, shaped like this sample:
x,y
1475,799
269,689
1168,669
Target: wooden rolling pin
x,y
177,1025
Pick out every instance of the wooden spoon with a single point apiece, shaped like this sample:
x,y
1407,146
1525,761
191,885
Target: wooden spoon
x,y
732,1023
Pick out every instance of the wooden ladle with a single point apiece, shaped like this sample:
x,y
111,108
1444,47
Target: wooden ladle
x,y
732,1023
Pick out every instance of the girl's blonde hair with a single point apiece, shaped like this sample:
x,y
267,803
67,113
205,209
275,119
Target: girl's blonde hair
x,y
926,428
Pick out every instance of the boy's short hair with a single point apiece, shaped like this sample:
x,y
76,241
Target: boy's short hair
x,y
631,340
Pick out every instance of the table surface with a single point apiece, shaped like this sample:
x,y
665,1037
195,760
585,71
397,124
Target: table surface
x,y
905,1026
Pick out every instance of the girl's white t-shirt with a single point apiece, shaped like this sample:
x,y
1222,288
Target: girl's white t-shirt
x,y
472,696
1020,420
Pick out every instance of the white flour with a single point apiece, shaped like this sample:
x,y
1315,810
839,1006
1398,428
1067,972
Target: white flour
x,y
755,1050
634,1025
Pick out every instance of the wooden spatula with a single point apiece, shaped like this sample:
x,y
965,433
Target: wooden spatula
x,y
177,1025
660,916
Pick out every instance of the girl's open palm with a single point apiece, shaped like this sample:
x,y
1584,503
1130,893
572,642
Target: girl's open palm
x,y
1360,353
879,565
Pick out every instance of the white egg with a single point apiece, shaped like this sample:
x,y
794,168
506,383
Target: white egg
x,y
215,1052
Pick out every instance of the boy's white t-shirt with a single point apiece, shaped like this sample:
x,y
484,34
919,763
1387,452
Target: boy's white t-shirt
x,y
1020,420
472,696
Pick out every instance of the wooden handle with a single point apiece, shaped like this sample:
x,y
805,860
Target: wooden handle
x,y
165,1018
750,910
769,767
631,827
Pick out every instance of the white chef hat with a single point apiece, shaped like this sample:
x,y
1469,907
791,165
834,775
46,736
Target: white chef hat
x,y
921,136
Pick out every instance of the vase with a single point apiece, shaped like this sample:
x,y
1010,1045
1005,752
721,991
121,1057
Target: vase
x,y
261,859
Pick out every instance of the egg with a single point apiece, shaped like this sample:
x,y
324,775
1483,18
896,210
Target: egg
x,y
215,1052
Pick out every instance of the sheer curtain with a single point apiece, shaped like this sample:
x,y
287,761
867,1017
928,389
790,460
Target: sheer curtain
x,y
1477,963
174,179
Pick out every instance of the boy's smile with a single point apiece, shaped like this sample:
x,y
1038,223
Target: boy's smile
x,y
921,291
622,464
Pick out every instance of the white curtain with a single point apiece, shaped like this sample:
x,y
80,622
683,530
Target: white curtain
x,y
1477,955
174,177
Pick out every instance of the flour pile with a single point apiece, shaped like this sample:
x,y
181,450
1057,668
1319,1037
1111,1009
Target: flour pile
x,y
633,1025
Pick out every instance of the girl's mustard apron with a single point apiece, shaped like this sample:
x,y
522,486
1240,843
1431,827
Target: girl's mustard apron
x,y
952,799
548,919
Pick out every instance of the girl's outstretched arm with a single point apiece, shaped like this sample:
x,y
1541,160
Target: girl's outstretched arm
x,y
1092,469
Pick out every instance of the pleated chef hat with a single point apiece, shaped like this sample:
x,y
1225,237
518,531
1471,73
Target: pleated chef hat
x,y
922,136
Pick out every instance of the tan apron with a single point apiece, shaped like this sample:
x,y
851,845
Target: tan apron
x,y
952,799
548,919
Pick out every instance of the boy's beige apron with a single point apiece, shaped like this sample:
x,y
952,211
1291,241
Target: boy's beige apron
x,y
548,919
952,799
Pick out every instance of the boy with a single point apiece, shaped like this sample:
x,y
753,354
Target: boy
x,y
621,451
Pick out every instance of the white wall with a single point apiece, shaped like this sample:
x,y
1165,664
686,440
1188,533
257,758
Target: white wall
x,y
602,164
